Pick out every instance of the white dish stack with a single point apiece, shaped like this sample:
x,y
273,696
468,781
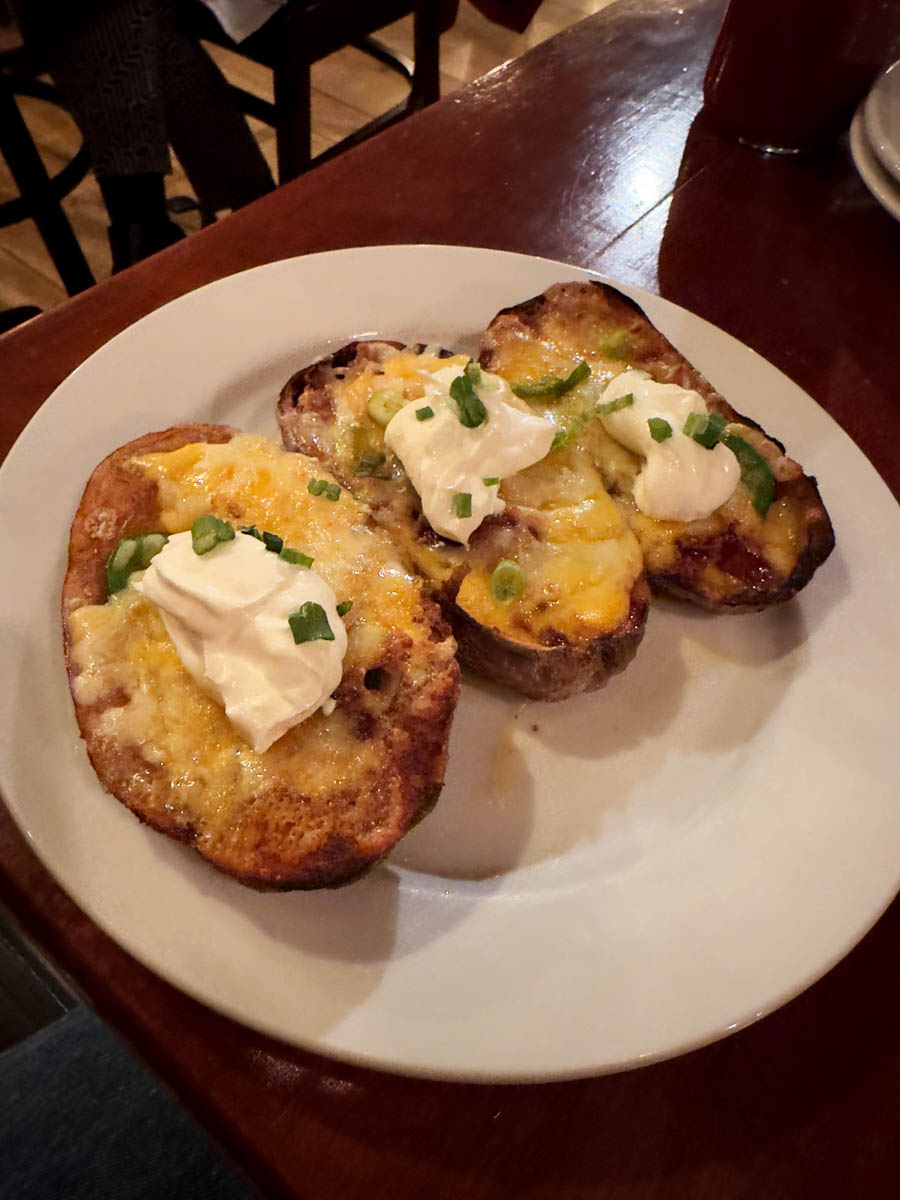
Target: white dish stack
x,y
875,139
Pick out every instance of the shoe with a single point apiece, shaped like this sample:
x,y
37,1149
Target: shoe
x,y
132,243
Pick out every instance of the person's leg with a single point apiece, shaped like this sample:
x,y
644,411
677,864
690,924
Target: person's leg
x,y
81,1119
104,58
207,129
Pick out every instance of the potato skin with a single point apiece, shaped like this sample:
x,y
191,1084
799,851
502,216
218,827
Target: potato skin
x,y
549,672
730,569
267,846
553,666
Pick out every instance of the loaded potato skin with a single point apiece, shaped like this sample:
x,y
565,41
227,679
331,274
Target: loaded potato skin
x,y
582,608
737,558
336,792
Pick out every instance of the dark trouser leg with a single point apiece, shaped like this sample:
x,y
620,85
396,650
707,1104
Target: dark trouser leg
x,y
207,130
105,63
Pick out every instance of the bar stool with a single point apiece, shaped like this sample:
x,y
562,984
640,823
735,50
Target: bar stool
x,y
305,31
40,194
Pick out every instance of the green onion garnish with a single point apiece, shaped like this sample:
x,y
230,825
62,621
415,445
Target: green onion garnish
x,y
424,414
323,487
131,554
252,531
273,541
370,465
507,581
660,429
756,474
615,344
297,557
551,387
344,607
149,545
384,405
208,532
564,436
491,481
472,412
462,504
612,406
310,624
705,428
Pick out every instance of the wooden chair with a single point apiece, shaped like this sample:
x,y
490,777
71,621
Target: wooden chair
x,y
305,31
40,194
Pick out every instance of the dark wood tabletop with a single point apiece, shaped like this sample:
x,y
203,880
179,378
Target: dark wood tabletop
x,y
591,149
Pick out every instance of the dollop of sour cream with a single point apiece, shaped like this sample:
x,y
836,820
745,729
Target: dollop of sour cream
x,y
444,458
227,615
680,479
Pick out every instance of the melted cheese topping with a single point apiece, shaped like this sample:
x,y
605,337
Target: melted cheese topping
x,y
580,568
559,346
579,557
126,661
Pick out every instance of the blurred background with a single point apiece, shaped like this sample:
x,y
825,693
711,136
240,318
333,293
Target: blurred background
x,y
348,88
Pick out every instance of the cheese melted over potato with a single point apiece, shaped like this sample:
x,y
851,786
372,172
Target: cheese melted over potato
x,y
121,650
579,558
568,336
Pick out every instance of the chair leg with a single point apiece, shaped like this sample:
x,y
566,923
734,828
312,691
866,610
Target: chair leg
x,y
33,182
293,128
426,83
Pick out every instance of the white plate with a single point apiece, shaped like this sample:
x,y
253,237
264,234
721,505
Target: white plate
x,y
873,174
881,114
605,881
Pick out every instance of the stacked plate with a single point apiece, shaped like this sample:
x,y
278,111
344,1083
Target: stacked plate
x,y
875,140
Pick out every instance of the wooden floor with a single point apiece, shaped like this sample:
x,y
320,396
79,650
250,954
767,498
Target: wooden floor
x,y
349,88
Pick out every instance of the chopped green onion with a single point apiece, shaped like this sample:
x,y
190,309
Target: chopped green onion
x,y
384,405
462,504
551,387
491,481
472,412
370,465
208,532
424,414
310,624
615,344
297,557
507,581
563,437
660,429
120,564
344,607
705,428
252,531
132,554
612,406
323,487
273,541
756,474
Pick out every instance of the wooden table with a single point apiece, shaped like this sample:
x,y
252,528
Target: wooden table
x,y
590,150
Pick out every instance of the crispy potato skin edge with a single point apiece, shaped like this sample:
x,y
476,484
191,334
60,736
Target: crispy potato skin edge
x,y
549,672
